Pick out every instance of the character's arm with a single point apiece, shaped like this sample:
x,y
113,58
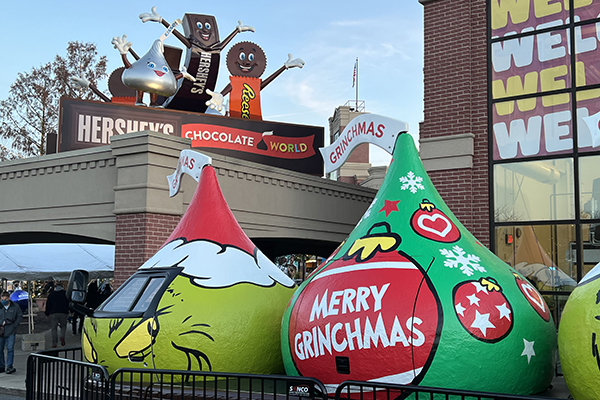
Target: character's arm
x,y
239,28
121,44
217,99
83,83
156,17
184,74
290,63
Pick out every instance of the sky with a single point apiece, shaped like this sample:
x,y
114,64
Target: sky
x,y
386,36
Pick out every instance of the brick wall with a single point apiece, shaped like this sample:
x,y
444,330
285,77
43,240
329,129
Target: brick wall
x,y
455,102
138,237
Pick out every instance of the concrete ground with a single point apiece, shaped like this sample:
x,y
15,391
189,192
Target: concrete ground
x,y
14,384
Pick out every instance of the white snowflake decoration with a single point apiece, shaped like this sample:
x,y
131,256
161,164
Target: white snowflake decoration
x,y
411,182
455,258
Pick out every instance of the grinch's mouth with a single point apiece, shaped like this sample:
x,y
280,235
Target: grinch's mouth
x,y
244,68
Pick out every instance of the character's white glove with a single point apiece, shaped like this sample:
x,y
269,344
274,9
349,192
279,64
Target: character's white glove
x,y
244,28
79,81
186,75
153,16
291,63
216,101
121,44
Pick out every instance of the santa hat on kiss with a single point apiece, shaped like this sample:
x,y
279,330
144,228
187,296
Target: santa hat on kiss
x,y
208,216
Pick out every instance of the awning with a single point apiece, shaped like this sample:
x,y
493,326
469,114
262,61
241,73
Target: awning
x,y
38,261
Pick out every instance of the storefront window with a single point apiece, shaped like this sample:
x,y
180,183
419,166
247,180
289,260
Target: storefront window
x,y
544,255
534,191
589,178
590,234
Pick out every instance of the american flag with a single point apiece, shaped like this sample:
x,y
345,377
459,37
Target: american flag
x,y
354,75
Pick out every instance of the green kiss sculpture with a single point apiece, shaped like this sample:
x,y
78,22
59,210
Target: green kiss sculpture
x,y
412,297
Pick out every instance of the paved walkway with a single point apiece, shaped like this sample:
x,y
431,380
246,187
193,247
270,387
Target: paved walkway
x,y
14,384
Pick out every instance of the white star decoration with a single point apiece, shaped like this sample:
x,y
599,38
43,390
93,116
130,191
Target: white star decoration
x,y
528,350
460,309
482,322
473,299
480,288
504,311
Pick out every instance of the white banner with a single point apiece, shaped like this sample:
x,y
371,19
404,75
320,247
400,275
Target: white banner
x,y
366,128
191,163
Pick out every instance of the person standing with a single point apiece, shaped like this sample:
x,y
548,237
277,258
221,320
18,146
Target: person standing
x,y
57,308
11,316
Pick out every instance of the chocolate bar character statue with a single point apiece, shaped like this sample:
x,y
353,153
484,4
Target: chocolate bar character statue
x,y
202,57
246,62
151,73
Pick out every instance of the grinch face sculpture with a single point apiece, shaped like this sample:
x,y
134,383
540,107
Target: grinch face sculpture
x,y
579,338
411,297
151,73
208,300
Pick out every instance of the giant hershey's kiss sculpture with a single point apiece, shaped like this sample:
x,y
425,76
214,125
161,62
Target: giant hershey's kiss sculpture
x,y
208,300
411,297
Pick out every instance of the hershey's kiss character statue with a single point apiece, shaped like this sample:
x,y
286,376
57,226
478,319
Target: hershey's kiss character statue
x,y
151,73
202,58
246,62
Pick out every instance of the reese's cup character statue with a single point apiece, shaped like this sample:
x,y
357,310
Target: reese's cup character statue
x,y
246,62
208,300
411,297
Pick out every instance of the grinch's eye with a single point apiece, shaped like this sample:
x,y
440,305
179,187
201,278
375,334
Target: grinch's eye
x,y
242,56
251,56
151,65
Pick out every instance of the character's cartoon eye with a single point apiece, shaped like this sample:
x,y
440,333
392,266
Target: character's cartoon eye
x,y
151,64
242,56
199,25
207,25
251,57
165,69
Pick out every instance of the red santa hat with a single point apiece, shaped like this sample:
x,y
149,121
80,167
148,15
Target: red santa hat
x,y
209,217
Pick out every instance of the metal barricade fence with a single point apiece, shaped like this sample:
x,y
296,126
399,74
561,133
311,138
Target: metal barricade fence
x,y
134,384
52,378
357,390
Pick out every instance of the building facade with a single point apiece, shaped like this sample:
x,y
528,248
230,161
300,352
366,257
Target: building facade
x,y
513,89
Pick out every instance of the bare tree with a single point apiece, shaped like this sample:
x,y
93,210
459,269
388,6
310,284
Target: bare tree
x,y
31,111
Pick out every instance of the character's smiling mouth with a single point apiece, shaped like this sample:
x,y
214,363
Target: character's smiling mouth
x,y
205,36
244,68
159,73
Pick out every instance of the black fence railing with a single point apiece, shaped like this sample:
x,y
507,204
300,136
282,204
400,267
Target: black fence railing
x,y
60,374
51,377
134,384
357,390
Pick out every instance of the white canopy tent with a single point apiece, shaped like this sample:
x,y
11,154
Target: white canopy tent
x,y
40,261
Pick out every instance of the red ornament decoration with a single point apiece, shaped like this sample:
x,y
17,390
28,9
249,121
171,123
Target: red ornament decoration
x,y
483,310
433,224
533,297
379,319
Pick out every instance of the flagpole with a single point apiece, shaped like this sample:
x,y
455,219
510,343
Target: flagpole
x,y
357,84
